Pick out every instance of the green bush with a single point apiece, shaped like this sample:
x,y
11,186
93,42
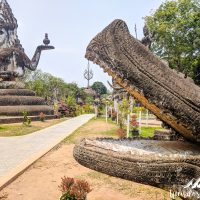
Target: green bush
x,y
26,119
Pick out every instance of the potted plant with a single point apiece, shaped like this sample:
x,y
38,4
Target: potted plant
x,y
74,189
134,125
121,132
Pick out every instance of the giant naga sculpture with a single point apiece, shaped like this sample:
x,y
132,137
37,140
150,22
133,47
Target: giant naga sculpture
x,y
172,98
14,99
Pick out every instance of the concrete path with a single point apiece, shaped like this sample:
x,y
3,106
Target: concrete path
x,y
18,153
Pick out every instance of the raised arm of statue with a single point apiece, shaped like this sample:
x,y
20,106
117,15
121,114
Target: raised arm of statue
x,y
32,64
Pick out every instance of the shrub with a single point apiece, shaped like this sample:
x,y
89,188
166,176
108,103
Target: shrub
x,y
79,110
87,108
74,189
134,124
121,133
26,119
42,117
65,110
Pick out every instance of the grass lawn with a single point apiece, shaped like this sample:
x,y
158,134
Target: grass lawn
x,y
84,131
19,129
87,130
148,131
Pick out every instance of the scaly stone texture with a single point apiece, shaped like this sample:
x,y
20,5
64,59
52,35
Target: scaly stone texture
x,y
158,163
171,97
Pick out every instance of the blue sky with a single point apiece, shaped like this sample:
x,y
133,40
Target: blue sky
x,y
71,24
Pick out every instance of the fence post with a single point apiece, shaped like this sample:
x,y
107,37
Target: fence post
x,y
128,125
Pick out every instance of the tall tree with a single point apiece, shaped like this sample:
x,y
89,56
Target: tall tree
x,y
175,32
99,87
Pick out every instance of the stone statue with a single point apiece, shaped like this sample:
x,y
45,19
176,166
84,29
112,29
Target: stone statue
x,y
13,59
14,98
175,100
147,39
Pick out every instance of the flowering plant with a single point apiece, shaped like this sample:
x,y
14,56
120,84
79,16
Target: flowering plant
x,y
134,122
74,189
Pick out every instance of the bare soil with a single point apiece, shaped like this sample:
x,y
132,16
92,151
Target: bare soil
x,y
41,180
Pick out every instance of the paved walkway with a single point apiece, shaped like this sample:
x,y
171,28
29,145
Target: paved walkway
x,y
17,153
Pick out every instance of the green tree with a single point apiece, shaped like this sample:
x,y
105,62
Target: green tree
x,y
49,86
99,87
175,32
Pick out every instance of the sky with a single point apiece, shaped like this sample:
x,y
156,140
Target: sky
x,y
71,25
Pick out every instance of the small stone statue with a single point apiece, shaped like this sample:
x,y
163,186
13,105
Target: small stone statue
x,y
13,59
147,39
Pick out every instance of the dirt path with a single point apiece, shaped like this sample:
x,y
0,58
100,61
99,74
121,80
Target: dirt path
x,y
40,181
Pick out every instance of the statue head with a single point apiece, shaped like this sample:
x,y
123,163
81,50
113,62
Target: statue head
x,y
13,59
8,27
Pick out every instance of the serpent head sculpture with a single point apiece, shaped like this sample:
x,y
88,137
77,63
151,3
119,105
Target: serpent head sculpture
x,y
166,93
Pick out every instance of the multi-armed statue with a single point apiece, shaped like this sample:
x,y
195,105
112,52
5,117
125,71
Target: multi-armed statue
x,y
14,99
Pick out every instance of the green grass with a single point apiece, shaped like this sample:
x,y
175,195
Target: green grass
x,y
148,131
19,129
84,131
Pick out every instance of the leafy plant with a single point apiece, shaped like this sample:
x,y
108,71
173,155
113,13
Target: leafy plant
x,y
26,119
79,110
74,189
124,106
134,124
175,35
88,108
66,110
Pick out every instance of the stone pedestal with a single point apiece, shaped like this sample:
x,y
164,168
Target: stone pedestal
x,y
14,100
